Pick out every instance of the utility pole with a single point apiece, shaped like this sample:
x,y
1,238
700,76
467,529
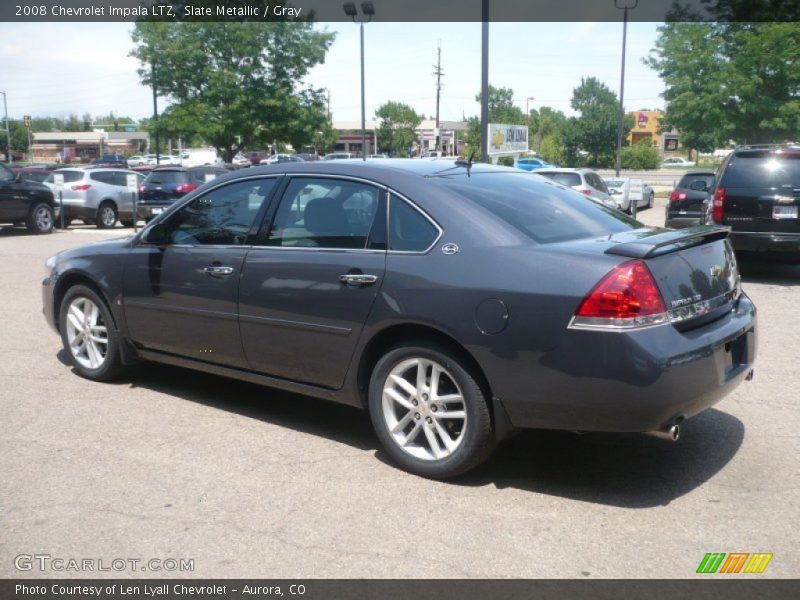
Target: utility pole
x,y
438,72
8,130
484,80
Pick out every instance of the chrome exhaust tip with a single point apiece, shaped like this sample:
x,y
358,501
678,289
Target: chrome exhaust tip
x,y
671,433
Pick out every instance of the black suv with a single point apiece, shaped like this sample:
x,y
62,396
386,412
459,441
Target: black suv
x,y
689,202
28,202
757,194
165,185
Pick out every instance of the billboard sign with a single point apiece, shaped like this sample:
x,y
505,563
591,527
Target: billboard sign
x,y
507,139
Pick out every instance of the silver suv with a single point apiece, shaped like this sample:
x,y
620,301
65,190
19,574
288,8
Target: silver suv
x,y
98,196
586,181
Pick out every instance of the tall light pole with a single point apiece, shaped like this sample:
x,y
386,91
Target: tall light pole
x,y
528,107
623,5
485,81
8,130
368,10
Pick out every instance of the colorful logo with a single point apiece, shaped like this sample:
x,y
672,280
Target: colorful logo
x,y
734,562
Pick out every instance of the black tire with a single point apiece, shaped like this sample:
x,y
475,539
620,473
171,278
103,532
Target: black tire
x,y
105,212
41,218
477,440
129,223
111,366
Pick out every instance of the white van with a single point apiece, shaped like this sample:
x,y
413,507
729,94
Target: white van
x,y
200,157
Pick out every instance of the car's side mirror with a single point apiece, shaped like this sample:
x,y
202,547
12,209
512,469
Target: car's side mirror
x,y
698,185
157,235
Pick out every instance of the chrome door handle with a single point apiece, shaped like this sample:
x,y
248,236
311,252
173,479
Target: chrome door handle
x,y
217,271
358,279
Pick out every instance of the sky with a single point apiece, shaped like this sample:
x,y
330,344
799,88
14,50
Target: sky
x,y
54,69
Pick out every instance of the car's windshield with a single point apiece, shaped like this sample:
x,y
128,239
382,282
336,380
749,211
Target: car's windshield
x,y
568,179
764,170
544,212
167,177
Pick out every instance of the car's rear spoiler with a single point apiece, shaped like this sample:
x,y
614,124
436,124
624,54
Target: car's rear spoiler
x,y
669,241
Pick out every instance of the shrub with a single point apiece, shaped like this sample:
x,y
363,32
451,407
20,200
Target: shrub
x,y
641,156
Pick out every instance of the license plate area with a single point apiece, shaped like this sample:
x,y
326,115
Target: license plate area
x,y
784,212
157,210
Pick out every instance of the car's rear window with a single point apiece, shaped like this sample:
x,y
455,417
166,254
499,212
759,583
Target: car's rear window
x,y
167,177
542,211
687,180
763,170
568,179
69,176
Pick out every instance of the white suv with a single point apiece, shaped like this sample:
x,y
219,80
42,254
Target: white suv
x,y
585,181
98,196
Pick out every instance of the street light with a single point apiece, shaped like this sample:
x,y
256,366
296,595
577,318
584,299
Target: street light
x,y
351,11
528,108
623,5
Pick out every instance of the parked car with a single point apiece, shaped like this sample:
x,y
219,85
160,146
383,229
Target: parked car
x,y
307,156
164,185
455,302
677,161
97,196
281,158
432,154
585,181
25,202
200,157
34,174
532,163
689,203
111,160
339,156
137,160
256,156
757,194
162,159
617,189
380,155
240,160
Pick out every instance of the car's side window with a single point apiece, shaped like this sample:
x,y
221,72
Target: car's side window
x,y
325,213
409,229
222,216
6,174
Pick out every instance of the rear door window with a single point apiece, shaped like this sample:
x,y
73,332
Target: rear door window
x,y
325,213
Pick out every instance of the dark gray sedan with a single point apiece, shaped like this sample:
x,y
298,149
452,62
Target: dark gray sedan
x,y
456,303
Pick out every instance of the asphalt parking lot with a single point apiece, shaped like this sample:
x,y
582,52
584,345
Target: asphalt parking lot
x,y
247,481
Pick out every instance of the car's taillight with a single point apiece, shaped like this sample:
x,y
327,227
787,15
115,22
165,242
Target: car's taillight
x,y
185,188
677,196
626,298
718,208
141,189
586,191
81,187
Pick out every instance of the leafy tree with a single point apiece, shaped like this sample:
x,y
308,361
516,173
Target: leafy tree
x,y
397,129
230,81
596,127
729,81
641,156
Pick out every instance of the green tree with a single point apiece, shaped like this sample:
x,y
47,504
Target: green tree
x,y
397,132
231,81
596,127
729,81
641,156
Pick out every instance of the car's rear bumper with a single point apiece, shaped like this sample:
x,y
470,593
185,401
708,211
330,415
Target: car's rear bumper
x,y
682,221
636,381
754,241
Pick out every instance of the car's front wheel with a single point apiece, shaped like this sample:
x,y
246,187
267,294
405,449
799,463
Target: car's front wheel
x,y
88,334
429,412
106,216
40,218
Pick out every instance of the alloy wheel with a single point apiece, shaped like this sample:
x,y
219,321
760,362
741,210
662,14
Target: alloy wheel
x,y
86,333
43,218
107,216
424,409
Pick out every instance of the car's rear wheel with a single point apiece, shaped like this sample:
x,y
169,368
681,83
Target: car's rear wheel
x,y
88,334
127,222
106,216
41,218
429,412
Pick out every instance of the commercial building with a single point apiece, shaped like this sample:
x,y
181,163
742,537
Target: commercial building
x,y
67,146
647,125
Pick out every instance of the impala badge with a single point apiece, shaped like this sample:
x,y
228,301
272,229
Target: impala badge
x,y
450,248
